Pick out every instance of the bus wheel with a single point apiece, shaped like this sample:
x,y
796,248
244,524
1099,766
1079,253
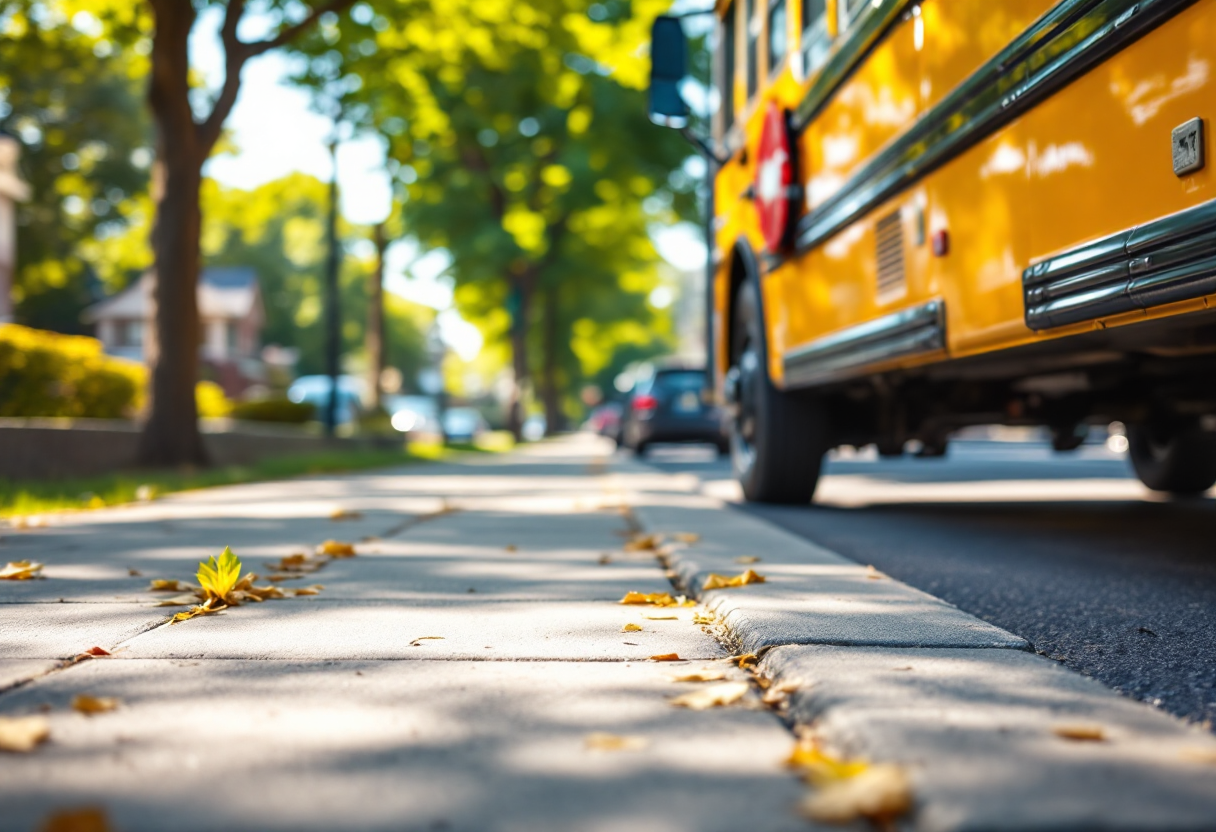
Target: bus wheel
x,y
777,439
1180,463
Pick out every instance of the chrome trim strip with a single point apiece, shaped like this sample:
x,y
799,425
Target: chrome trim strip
x,y
1067,41
847,353
1167,260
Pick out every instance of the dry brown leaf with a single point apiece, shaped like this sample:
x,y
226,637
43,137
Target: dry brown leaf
x,y
179,600
687,537
746,559
604,560
632,628
417,642
745,660
298,562
96,651
20,570
88,819
336,549
21,733
713,696
264,593
600,741
345,514
169,585
1080,731
873,574
206,608
303,590
86,704
879,793
700,676
643,543
716,581
134,573
511,547
703,618
655,617
666,657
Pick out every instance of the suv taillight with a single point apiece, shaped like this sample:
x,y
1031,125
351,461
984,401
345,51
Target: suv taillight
x,y
645,401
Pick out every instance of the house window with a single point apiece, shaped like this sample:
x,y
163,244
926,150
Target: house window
x,y
848,12
753,39
129,333
815,38
729,30
234,334
777,33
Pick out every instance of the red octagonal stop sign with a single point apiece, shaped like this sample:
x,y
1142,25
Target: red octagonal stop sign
x,y
774,177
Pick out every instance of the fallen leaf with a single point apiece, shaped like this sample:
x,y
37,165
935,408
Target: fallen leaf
x,y
656,599
206,608
298,562
713,696
1080,731
89,819
510,547
643,543
97,651
416,642
167,585
179,600
687,537
819,767
654,617
345,514
604,560
744,660
86,704
600,741
632,628
700,676
703,618
746,559
777,694
336,549
21,733
716,581
20,570
879,793
873,574
666,657
135,573
315,589
220,577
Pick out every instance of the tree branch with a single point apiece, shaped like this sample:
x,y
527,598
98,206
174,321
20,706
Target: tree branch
x,y
237,53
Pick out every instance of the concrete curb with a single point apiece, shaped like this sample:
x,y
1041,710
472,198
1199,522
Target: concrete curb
x,y
879,670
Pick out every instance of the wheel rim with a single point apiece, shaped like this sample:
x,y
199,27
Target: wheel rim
x,y
743,426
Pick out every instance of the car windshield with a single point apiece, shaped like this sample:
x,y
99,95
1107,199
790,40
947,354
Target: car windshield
x,y
684,380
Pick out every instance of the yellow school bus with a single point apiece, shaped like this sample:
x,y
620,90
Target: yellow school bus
x,y
943,213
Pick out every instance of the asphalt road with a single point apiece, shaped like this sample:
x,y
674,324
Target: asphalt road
x,y
1065,550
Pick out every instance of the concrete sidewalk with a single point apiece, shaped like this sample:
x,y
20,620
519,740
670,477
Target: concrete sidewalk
x,y
450,675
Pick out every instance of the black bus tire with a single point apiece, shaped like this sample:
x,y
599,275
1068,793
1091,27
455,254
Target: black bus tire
x,y
1182,463
777,439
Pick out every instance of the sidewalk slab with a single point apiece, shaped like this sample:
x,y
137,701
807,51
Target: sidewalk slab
x,y
61,631
811,595
312,628
16,671
975,730
478,747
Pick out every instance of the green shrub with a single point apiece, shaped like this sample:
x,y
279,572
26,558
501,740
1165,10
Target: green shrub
x,y
273,410
48,374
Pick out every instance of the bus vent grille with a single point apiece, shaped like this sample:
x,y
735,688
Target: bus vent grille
x,y
890,234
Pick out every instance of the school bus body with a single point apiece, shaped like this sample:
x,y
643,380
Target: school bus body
x,y
987,193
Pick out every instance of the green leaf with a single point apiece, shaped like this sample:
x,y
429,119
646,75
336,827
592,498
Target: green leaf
x,y
218,578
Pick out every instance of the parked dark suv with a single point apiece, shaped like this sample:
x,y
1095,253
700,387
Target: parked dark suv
x,y
672,406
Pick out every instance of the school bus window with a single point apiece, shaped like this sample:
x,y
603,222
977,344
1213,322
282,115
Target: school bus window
x,y
776,33
727,56
847,12
753,37
815,40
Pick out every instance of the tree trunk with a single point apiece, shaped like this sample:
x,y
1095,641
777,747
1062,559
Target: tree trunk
x,y
550,395
333,313
374,339
521,308
170,434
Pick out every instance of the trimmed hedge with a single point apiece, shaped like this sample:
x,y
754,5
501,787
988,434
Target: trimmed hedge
x,y
48,374
273,410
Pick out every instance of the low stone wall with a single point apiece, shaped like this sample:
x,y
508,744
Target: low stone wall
x,y
51,448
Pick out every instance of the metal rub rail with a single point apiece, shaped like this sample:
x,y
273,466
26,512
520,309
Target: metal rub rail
x,y
1167,260
913,331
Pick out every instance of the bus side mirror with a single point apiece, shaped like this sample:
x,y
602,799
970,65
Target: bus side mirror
x,y
668,66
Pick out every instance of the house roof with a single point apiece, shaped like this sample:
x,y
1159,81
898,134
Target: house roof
x,y
223,292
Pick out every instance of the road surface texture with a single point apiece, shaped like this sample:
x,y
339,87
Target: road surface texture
x,y
470,669
1068,551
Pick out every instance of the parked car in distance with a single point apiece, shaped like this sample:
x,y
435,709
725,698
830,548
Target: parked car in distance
x,y
414,415
463,424
605,420
672,405
315,391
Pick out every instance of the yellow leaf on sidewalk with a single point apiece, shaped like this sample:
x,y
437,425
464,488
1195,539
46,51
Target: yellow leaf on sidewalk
x,y
21,733
643,543
713,696
345,514
657,599
655,617
336,549
687,537
820,767
700,676
716,581
88,819
220,577
179,600
880,793
600,741
666,657
1080,731
169,585
703,618
86,704
632,628
20,570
